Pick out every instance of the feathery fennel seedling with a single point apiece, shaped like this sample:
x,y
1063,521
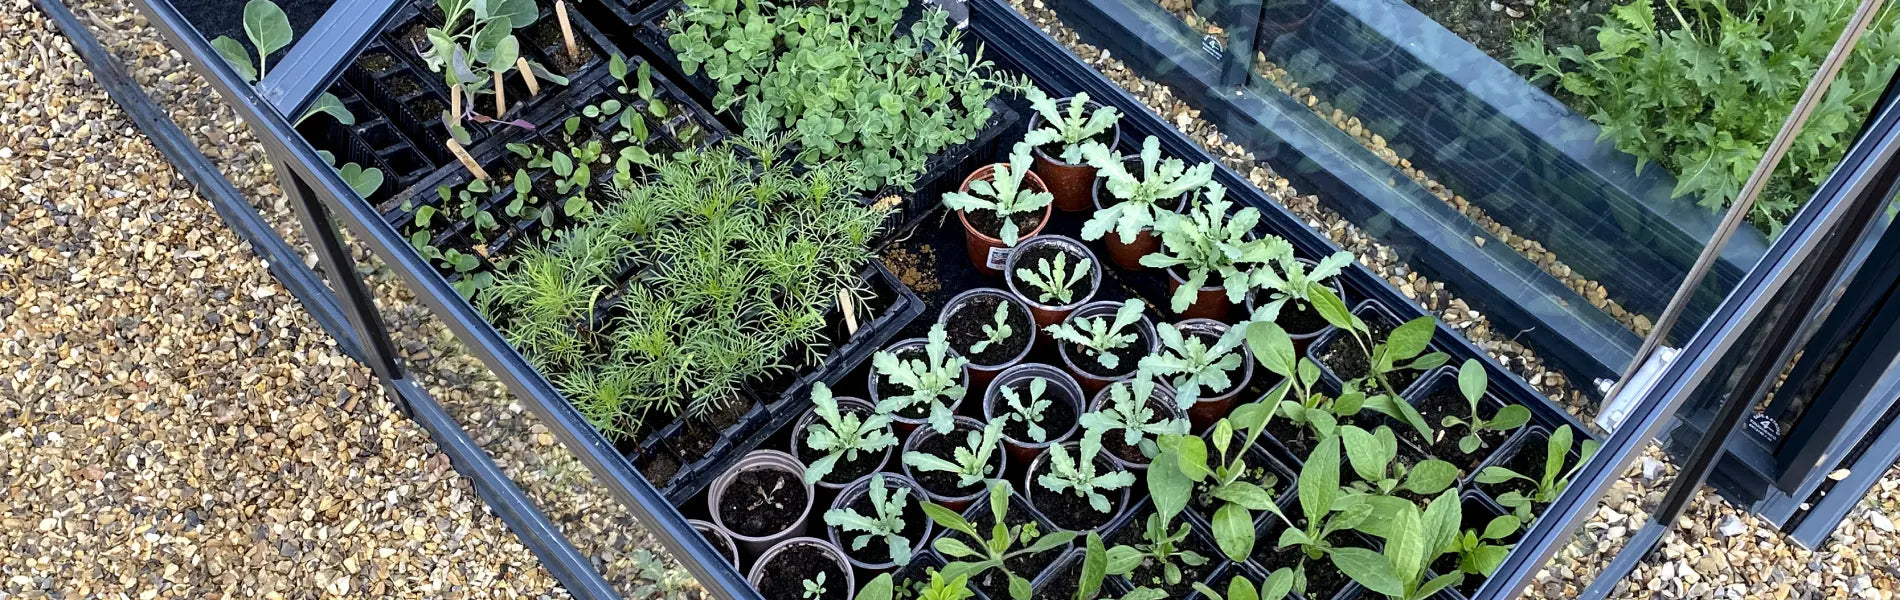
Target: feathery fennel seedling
x,y
1053,280
1100,337
1003,194
1072,126
934,381
1193,365
841,435
1078,476
885,523
970,462
1140,200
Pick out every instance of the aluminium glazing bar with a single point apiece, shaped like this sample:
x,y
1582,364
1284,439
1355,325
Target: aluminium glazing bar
x,y
306,70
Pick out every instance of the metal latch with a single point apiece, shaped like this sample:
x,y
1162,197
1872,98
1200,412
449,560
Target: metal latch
x,y
1617,409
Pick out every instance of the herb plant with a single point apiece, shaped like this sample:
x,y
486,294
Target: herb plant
x,y
1551,483
1314,411
934,381
885,523
938,588
1002,543
1160,545
1185,467
1139,199
1100,337
1413,541
1277,585
1052,281
841,435
1127,411
1028,408
970,462
1078,476
1192,365
1210,246
996,332
1403,348
1072,126
1003,193
1471,383
1328,511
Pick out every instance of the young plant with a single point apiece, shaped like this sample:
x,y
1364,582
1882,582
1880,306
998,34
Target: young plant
x,y
268,30
1313,411
1551,483
1053,280
993,550
1077,476
1072,128
939,588
1182,468
1374,457
1028,408
1100,337
814,587
476,41
1412,542
1327,509
1476,554
1003,193
996,332
970,462
1471,384
841,435
1159,545
1127,410
1287,281
1403,348
1192,365
886,521
934,381
1277,585
1140,199
1207,244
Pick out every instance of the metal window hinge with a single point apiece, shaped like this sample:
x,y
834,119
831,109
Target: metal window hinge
x,y
1617,409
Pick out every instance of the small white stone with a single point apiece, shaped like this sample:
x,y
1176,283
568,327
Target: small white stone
x,y
1731,527
1880,521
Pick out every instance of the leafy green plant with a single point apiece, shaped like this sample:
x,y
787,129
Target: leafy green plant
x,y
1052,281
268,30
1328,511
1287,281
362,181
1277,585
1077,475
1028,408
1100,337
1374,457
1127,410
995,332
1403,348
1003,542
1548,485
1477,555
885,523
841,435
814,587
1161,546
1072,126
1313,411
1411,544
1003,194
476,41
934,381
1224,478
1211,247
1194,365
1471,383
970,462
938,588
1702,90
1140,199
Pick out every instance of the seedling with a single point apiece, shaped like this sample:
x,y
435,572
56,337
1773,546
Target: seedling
x,y
934,381
1208,244
1127,410
477,41
1003,193
1286,279
1471,384
1328,511
1193,365
1412,543
1099,337
886,521
1077,475
970,462
1139,198
1476,554
1277,585
1313,411
1028,408
362,181
1054,280
1182,469
1003,542
939,588
1072,128
996,332
1159,545
1374,457
841,435
1554,479
268,29
815,587
1403,348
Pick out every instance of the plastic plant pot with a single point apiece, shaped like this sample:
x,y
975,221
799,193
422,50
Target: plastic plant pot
x,y
1114,444
941,487
913,515
845,471
989,253
967,314
1068,511
718,539
1210,300
912,348
1298,321
1029,254
768,475
1211,408
1381,320
1070,183
1089,372
1063,393
782,569
1127,255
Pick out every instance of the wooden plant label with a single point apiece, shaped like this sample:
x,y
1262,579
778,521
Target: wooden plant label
x,y
850,311
527,75
455,102
455,148
501,93
567,31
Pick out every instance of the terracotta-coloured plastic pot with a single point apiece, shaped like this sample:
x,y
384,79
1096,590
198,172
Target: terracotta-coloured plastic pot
x,y
1069,182
718,539
1050,314
1210,302
1118,499
1209,409
960,434
1127,255
830,551
759,460
1061,388
989,254
1106,309
981,374
1300,340
1161,392
858,489
846,404
905,425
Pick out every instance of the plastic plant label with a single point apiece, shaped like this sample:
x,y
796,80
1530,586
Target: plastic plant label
x,y
850,311
997,258
467,161
527,75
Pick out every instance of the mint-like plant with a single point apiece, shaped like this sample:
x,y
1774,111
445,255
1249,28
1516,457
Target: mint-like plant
x,y
1471,383
992,551
885,523
1192,365
1052,281
1100,337
1072,126
1028,407
995,332
1139,197
1127,411
969,462
1003,193
841,435
1207,243
1077,475
1549,484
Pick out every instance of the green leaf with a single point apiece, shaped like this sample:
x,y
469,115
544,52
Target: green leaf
x,y
238,56
1409,339
267,28
1273,347
328,103
1331,308
1245,494
954,548
1094,568
505,53
617,67
1369,569
519,13
1405,544
1495,475
1510,417
1431,476
1471,379
1502,527
1191,454
879,588
1169,487
1233,531
1319,480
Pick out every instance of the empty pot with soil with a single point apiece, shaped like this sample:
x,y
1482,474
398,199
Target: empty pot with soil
x,y
1070,123
1113,407
896,509
966,440
719,540
1103,342
1053,274
848,466
1038,405
1049,486
761,500
803,568
991,327
1000,206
